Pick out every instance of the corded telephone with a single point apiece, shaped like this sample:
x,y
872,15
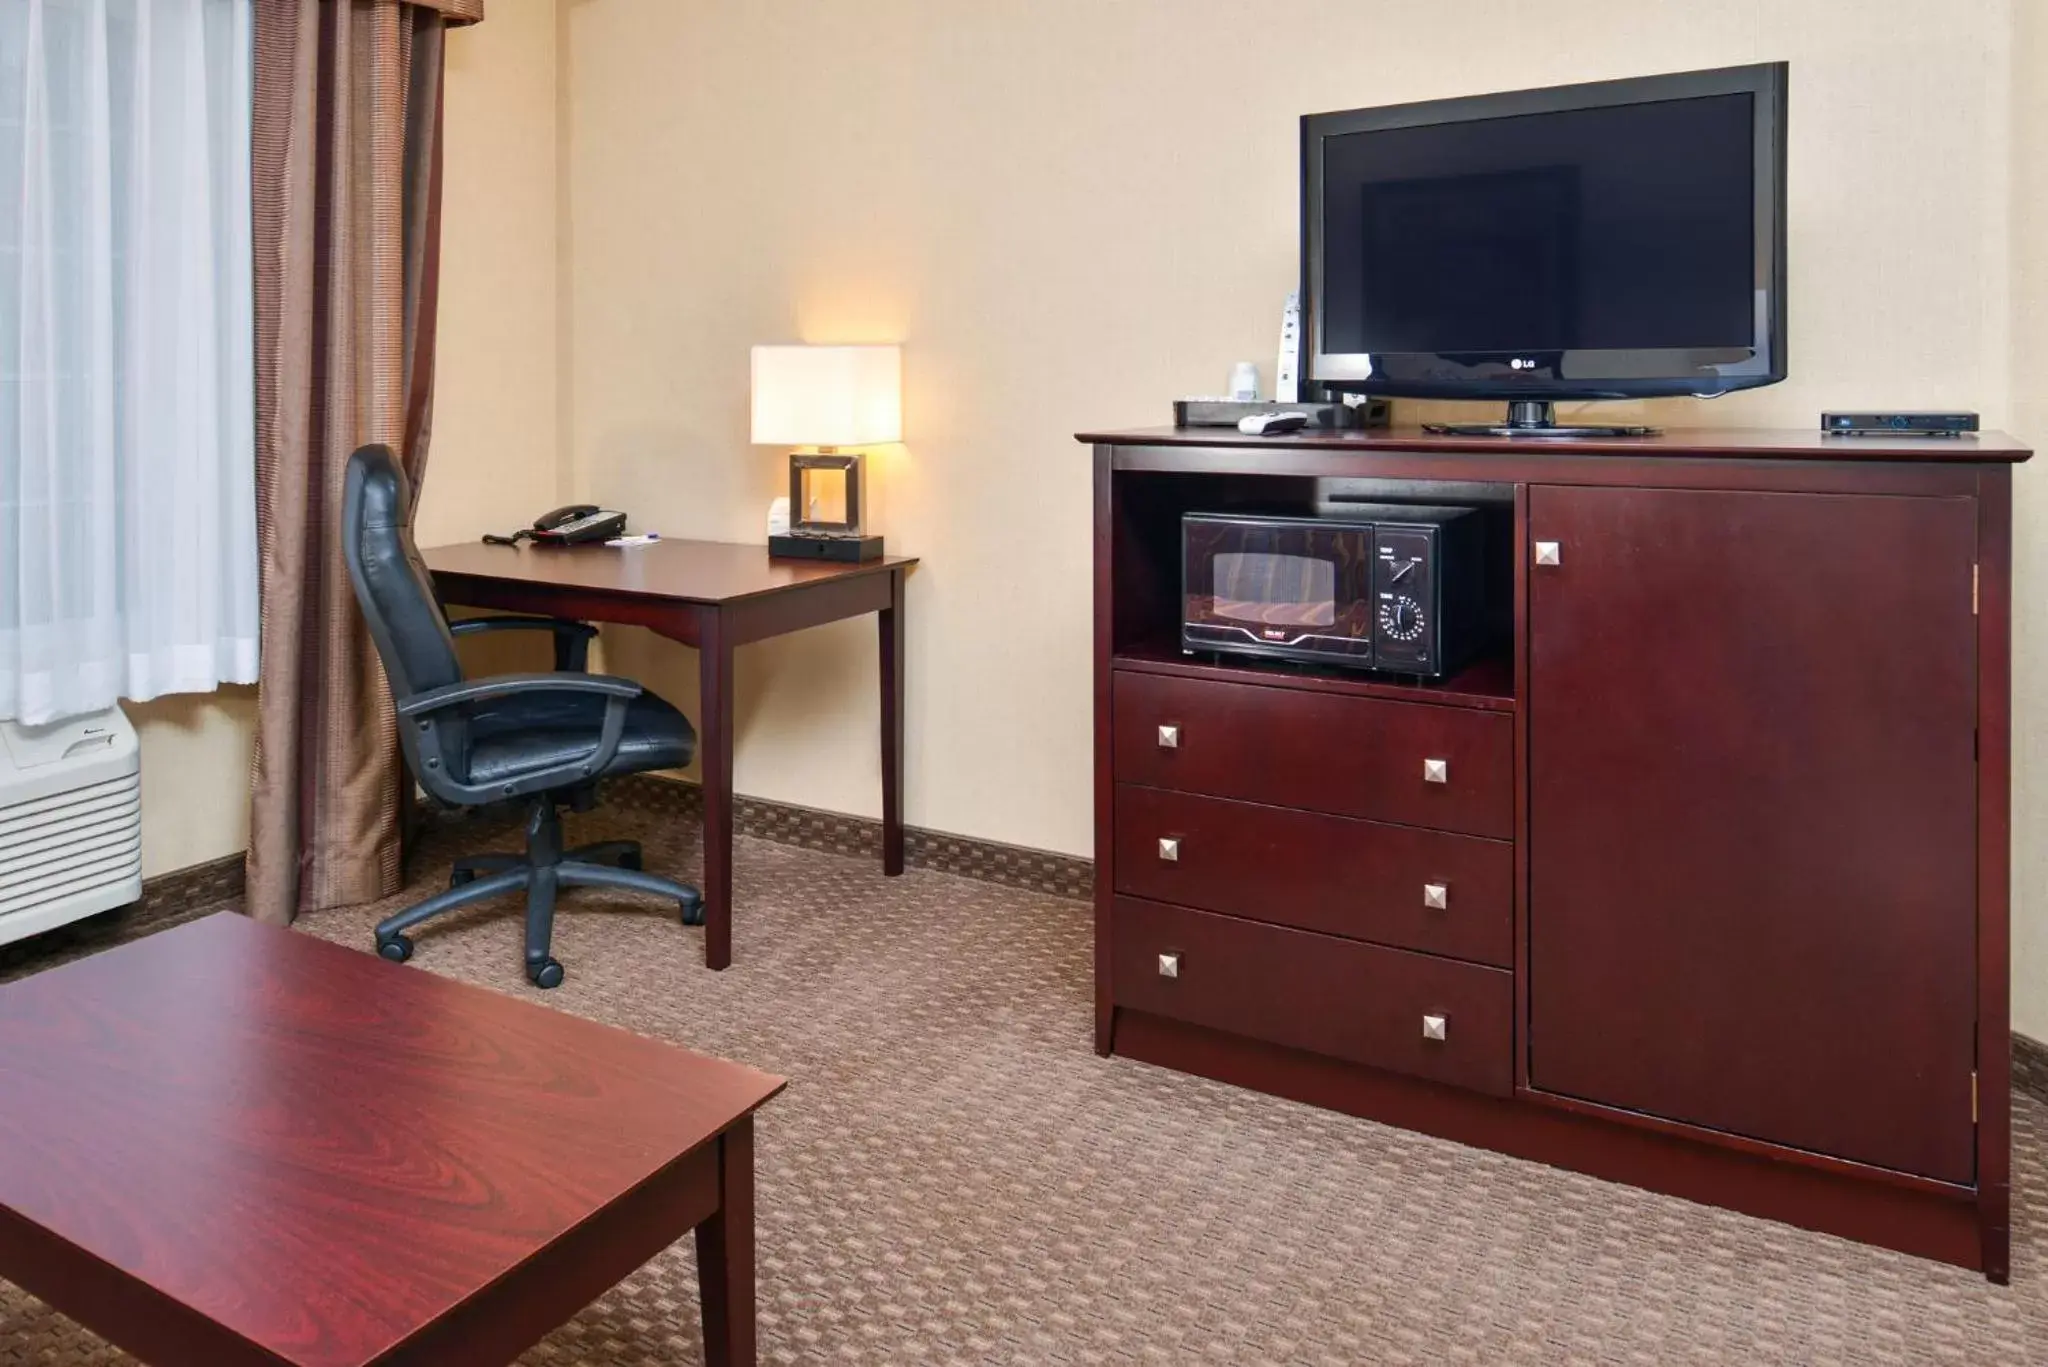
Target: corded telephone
x,y
571,525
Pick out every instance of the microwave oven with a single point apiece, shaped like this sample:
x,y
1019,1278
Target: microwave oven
x,y
1386,587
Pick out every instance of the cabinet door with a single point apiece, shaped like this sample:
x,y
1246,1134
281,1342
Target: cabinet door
x,y
1752,815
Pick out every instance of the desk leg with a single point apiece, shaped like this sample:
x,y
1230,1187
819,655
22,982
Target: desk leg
x,y
725,1254
714,751
892,630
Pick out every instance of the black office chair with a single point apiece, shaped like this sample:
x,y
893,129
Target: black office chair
x,y
546,738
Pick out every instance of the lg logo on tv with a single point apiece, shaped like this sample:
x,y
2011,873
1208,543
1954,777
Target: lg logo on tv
x,y
1519,364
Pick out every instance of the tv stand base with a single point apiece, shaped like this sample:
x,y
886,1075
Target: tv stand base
x,y
1533,418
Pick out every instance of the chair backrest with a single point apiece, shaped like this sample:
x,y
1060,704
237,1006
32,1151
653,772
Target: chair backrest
x,y
391,581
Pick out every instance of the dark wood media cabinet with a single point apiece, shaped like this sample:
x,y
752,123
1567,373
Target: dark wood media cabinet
x,y
1710,894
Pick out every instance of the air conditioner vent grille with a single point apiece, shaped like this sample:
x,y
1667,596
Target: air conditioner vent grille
x,y
70,821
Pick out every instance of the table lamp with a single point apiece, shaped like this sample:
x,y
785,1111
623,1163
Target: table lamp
x,y
822,399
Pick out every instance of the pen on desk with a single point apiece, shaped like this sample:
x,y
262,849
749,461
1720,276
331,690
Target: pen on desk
x,y
644,539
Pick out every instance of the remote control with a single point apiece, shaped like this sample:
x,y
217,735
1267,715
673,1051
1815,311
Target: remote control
x,y
1272,424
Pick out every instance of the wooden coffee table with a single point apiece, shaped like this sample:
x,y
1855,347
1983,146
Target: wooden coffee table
x,y
227,1144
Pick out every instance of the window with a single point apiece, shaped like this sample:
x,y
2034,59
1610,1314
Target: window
x,y
127,441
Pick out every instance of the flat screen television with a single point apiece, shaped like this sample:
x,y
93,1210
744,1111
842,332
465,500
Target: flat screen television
x,y
1623,239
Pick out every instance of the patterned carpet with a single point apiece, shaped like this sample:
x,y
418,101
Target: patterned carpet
x,y
954,1177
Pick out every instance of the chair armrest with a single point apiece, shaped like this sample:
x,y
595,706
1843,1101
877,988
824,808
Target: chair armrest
x,y
419,711
572,639
505,685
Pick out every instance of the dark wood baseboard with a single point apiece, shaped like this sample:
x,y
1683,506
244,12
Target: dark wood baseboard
x,y
209,884
168,899
1923,1223
171,898
988,861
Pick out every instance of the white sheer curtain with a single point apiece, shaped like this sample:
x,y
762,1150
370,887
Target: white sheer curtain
x,y
127,428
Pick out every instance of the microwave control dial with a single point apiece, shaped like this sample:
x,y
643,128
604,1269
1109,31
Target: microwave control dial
x,y
1401,618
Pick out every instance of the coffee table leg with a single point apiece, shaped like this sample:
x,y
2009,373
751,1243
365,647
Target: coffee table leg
x,y
725,1254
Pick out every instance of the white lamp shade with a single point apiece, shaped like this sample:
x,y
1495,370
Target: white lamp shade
x,y
827,395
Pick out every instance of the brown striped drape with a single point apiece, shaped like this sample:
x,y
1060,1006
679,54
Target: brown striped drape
x,y
347,189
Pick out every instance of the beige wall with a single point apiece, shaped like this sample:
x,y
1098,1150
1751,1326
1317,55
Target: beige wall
x,y
1070,212
494,444
2029,419
494,461
196,749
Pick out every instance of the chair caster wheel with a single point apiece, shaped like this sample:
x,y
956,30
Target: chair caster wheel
x,y
693,910
631,860
548,975
461,876
397,949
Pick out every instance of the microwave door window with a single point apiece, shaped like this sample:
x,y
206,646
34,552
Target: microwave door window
x,y
1285,587
1272,588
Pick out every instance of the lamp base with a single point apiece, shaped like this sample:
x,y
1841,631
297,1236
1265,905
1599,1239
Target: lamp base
x,y
850,549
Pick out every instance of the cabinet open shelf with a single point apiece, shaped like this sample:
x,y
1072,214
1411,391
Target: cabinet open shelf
x,y
1488,682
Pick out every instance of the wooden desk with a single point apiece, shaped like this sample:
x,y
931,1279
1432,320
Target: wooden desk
x,y
228,1145
715,596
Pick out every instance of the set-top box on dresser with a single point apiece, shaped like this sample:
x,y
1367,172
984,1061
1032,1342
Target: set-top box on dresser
x,y
1695,877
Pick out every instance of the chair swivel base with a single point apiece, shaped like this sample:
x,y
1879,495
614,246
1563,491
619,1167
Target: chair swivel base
x,y
540,873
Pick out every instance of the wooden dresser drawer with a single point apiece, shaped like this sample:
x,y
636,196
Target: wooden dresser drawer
x,y
1329,996
1446,768
1397,885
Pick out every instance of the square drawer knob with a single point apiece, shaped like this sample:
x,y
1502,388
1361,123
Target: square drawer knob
x,y
1436,896
1169,965
1432,1027
1169,849
1436,771
1169,738
1546,553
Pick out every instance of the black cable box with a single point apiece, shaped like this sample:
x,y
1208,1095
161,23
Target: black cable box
x,y
1327,417
1898,424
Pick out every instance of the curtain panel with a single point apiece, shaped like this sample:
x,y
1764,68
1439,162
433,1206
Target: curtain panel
x,y
127,457
347,158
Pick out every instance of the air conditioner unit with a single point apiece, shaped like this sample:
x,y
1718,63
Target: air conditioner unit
x,y
70,821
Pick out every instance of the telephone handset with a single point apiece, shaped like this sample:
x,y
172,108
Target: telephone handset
x,y
574,524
